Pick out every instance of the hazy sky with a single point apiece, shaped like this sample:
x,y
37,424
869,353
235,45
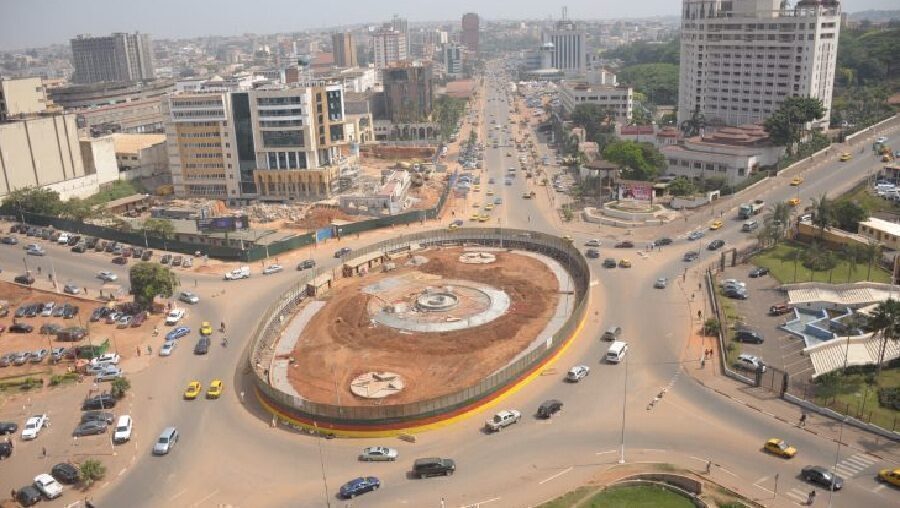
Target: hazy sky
x,y
34,23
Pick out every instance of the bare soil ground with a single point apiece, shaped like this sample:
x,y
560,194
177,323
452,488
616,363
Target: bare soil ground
x,y
341,342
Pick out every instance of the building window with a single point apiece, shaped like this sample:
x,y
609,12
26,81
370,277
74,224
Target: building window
x,y
282,138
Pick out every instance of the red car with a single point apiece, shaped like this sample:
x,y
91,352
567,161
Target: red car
x,y
138,320
780,309
120,260
627,244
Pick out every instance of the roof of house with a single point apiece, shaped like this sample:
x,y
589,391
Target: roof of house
x,y
637,130
891,228
132,143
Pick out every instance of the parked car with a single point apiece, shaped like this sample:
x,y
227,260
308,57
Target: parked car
x,y
57,354
359,486
174,316
750,362
20,328
101,401
28,495
71,334
165,259
176,261
120,260
166,441
50,328
106,359
91,428
48,486
379,453
65,473
780,309
548,408
423,468
690,256
79,248
108,374
758,272
123,429
343,251
7,428
38,355
26,279
748,336
33,426
627,244
178,333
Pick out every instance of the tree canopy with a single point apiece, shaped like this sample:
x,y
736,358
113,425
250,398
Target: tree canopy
x,y
639,161
657,81
785,124
151,279
163,228
644,52
847,214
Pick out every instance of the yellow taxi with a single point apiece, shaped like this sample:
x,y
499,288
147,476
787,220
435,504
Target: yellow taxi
x,y
779,448
484,217
624,263
475,216
488,207
205,328
716,224
797,180
451,227
885,158
568,239
215,389
846,156
193,389
890,476
793,201
509,154
476,188
490,193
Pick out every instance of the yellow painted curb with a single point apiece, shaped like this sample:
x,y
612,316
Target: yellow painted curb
x,y
438,424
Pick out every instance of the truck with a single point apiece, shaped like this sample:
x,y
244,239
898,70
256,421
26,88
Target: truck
x,y
502,419
238,273
748,210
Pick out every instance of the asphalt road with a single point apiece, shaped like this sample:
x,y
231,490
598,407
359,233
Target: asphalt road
x,y
229,454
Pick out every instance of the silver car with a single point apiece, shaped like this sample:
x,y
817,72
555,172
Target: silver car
x,y
378,453
109,373
166,441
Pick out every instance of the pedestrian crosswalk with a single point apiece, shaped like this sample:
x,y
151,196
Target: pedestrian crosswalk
x,y
854,465
798,495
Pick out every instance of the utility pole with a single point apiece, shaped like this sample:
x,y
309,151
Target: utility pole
x,y
624,405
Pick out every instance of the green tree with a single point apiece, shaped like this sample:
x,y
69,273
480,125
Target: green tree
x,y
871,252
594,119
785,126
657,81
682,187
645,52
162,228
848,214
640,161
119,387
76,209
693,125
885,321
781,216
850,252
149,280
90,471
31,200
823,214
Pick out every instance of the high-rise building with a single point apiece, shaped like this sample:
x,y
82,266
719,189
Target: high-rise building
x,y
470,27
408,92
274,143
20,97
343,47
401,25
740,59
117,57
569,51
390,47
453,60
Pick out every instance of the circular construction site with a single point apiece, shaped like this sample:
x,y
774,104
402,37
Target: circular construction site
x,y
429,329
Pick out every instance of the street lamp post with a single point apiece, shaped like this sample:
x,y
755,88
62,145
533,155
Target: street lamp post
x,y
624,405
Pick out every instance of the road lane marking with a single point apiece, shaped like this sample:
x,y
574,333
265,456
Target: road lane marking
x,y
727,471
797,494
555,476
211,494
606,452
479,503
757,484
176,496
122,471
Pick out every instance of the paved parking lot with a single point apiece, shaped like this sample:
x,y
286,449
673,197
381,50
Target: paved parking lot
x,y
780,349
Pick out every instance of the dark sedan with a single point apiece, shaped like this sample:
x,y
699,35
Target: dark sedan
x,y
202,346
822,476
716,244
758,272
91,428
21,328
65,473
358,486
97,416
8,428
627,244
662,241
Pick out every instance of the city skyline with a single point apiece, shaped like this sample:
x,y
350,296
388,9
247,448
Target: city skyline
x,y
40,23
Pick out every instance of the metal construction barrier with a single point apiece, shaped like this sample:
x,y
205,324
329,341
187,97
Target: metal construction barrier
x,y
273,320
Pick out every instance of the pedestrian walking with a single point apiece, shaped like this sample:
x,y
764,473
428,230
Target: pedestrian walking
x,y
44,451
149,350
39,270
699,314
811,499
708,466
138,348
803,419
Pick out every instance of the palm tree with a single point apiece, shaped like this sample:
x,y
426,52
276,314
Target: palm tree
x,y
871,252
780,216
851,254
822,214
886,322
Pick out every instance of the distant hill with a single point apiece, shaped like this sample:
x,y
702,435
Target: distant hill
x,y
875,16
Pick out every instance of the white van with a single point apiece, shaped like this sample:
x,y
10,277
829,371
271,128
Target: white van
x,y
617,351
123,429
750,225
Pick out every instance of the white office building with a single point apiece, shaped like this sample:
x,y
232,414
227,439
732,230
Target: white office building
x,y
453,60
569,51
740,59
389,47
618,99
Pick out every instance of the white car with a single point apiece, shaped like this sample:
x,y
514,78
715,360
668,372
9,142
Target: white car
x,y
33,426
378,453
174,316
105,359
47,310
48,486
661,283
188,297
63,239
107,276
577,373
123,429
732,282
238,273
750,362
502,419
592,243
272,269
167,348
109,373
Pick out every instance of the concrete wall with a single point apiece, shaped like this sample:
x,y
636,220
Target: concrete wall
x,y
39,152
99,155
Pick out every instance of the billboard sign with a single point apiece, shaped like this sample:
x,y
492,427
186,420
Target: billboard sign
x,y
223,223
639,191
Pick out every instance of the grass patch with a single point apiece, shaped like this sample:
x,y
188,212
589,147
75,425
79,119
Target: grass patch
x,y
569,499
869,201
780,262
856,395
729,310
115,190
637,497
